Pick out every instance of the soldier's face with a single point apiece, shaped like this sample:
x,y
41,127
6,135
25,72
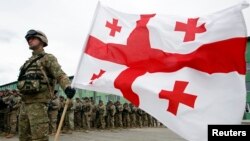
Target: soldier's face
x,y
34,43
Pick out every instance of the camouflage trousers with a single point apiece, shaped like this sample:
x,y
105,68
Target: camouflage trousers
x,y
87,118
139,120
110,121
150,121
101,122
118,120
77,120
12,121
33,122
126,120
52,121
93,120
144,120
69,121
133,120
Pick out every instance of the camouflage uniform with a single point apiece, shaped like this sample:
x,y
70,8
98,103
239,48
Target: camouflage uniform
x,y
93,116
150,120
110,115
155,122
53,112
6,113
118,114
125,115
69,117
87,108
36,82
133,115
77,116
100,113
60,110
14,103
139,117
33,118
3,111
144,119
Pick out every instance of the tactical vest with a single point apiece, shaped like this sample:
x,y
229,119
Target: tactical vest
x,y
101,110
87,108
31,79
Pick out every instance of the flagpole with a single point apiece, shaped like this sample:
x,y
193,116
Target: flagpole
x,y
61,120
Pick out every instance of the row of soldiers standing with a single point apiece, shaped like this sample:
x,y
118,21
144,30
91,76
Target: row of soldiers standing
x,y
10,102
83,114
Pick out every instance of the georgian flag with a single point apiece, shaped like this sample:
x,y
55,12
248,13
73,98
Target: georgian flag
x,y
188,72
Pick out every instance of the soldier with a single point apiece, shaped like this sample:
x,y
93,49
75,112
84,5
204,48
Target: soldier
x,y
110,115
139,117
87,108
69,118
7,100
3,111
2,106
93,115
53,107
150,120
83,122
77,116
118,114
100,114
14,104
36,84
144,119
60,110
125,115
133,115
155,122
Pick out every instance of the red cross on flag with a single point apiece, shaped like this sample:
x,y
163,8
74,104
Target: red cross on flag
x,y
187,72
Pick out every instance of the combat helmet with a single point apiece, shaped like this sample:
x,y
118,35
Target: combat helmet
x,y
39,34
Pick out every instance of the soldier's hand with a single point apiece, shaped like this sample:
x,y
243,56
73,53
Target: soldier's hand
x,y
70,92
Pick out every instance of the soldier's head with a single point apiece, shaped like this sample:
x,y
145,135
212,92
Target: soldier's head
x,y
61,98
100,102
78,99
125,104
91,99
110,102
117,102
86,99
36,39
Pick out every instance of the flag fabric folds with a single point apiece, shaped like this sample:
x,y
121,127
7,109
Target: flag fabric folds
x,y
187,72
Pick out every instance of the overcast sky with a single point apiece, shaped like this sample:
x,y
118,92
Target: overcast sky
x,y
66,24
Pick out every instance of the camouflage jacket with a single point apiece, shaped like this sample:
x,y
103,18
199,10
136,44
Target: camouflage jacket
x,y
101,110
111,110
87,108
53,71
54,103
78,106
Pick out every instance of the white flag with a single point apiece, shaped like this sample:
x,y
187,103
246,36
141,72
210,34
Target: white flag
x,y
186,72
